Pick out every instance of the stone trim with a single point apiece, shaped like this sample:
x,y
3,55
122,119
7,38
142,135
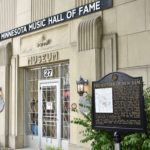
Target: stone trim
x,y
41,9
89,33
5,54
109,60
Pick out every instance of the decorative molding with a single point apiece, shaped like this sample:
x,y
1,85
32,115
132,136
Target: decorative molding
x,y
109,54
47,40
8,14
44,42
14,94
41,44
5,53
89,33
83,2
41,9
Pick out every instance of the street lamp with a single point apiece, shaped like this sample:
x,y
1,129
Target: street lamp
x,y
82,86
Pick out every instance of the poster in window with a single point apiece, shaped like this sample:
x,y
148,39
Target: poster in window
x,y
49,106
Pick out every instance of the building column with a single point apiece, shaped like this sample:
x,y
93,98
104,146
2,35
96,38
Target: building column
x,y
16,130
5,56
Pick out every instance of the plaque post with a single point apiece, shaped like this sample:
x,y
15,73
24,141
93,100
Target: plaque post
x,y
117,140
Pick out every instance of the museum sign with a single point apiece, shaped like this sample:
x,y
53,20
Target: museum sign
x,y
58,18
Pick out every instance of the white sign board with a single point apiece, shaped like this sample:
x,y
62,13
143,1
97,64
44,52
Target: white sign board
x,y
49,106
103,100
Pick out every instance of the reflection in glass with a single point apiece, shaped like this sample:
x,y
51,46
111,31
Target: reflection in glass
x,y
49,111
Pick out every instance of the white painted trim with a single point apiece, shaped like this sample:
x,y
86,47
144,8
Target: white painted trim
x,y
42,83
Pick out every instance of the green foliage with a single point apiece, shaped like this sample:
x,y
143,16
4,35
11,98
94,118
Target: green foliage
x,y
147,109
146,144
52,148
102,140
133,141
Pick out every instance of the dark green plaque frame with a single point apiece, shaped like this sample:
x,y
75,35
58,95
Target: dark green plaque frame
x,y
128,113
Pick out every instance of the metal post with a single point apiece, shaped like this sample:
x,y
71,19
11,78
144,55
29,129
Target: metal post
x,y
117,146
117,140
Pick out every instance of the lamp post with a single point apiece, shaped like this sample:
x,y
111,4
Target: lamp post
x,y
82,86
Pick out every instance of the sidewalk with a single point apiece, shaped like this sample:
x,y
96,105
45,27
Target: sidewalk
x,y
15,149
25,149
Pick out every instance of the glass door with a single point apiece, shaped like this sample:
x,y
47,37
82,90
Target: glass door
x,y
49,111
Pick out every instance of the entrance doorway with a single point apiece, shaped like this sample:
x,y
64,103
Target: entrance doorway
x,y
47,106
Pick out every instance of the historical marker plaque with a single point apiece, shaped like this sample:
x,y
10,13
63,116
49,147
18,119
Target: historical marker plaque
x,y
118,103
